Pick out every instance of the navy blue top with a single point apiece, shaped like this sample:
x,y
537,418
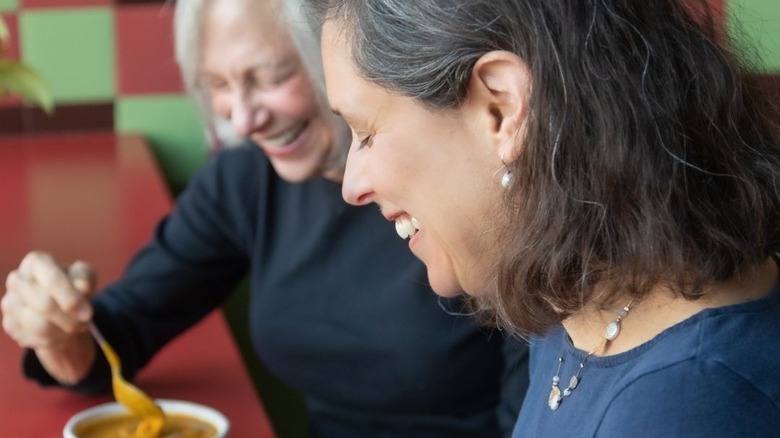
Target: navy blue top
x,y
716,374
339,307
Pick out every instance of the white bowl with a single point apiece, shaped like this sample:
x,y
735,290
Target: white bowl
x,y
211,415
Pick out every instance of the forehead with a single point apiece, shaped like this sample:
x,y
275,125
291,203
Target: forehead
x,y
333,51
245,28
342,82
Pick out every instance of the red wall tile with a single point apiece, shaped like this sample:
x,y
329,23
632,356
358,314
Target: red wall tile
x,y
12,50
145,60
719,9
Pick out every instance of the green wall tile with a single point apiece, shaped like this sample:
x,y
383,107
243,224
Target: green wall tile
x,y
9,5
757,23
73,49
173,128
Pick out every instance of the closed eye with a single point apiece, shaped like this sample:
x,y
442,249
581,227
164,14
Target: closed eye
x,y
365,142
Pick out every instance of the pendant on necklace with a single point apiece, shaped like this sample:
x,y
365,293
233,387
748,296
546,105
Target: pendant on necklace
x,y
554,400
573,381
612,331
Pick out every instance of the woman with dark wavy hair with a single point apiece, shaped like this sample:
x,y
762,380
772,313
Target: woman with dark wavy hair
x,y
602,176
338,309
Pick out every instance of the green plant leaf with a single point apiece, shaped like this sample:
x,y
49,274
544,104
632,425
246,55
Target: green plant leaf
x,y
4,36
17,78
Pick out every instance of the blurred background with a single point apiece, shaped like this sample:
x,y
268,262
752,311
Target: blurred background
x,y
110,67
109,64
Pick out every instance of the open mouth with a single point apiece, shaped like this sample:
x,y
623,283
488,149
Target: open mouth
x,y
287,137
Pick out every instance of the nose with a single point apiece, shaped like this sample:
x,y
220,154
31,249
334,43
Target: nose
x,y
247,115
356,188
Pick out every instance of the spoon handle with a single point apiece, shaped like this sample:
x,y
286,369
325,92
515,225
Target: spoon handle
x,y
108,352
96,333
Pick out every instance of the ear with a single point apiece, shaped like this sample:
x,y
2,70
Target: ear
x,y
499,90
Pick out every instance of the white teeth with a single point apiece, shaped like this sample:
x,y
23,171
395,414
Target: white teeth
x,y
406,227
286,137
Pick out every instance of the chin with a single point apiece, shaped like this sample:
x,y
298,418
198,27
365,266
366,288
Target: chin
x,y
445,287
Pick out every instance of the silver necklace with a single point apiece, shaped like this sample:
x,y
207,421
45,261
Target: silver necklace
x,y
611,332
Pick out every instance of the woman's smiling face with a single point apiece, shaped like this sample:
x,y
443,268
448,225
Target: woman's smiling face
x,y
256,80
416,163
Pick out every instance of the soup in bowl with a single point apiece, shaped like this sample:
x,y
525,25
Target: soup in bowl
x,y
182,420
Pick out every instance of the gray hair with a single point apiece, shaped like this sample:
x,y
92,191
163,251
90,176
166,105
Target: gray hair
x,y
188,36
425,50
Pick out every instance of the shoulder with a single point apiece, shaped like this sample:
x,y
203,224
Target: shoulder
x,y
694,397
735,341
236,170
713,375
225,193
744,340
246,161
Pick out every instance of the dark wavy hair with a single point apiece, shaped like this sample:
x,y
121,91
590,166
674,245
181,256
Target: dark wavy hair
x,y
650,155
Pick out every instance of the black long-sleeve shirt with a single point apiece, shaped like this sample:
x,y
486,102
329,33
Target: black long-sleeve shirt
x,y
339,307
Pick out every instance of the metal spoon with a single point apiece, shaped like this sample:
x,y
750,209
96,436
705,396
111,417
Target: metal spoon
x,y
82,276
129,395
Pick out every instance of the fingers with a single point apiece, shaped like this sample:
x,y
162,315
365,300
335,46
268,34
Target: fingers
x,y
44,276
83,277
41,307
28,328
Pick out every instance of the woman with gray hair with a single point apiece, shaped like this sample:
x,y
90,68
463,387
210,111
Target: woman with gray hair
x,y
603,176
338,308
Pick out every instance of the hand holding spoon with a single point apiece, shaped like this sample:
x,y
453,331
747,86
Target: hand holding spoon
x,y
127,394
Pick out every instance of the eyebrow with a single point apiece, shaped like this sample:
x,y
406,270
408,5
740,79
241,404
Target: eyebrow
x,y
265,65
336,112
279,63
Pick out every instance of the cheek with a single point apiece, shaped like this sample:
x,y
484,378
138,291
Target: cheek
x,y
295,99
221,104
394,175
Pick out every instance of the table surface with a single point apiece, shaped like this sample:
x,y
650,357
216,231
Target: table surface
x,y
97,197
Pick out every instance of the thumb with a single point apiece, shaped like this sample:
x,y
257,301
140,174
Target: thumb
x,y
83,277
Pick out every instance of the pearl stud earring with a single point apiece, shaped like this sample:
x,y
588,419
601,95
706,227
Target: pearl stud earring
x,y
506,178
